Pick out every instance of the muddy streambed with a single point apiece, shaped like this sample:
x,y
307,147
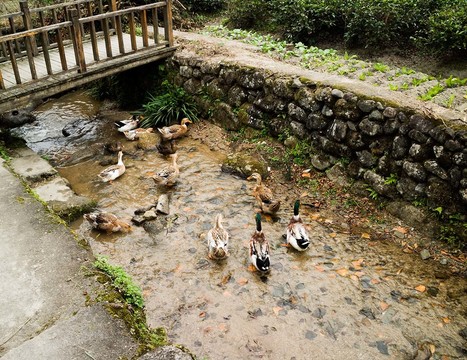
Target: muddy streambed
x,y
347,297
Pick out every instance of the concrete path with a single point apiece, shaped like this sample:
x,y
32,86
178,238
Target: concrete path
x,y
43,289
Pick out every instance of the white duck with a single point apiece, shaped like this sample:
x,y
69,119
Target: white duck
x,y
126,125
297,235
112,172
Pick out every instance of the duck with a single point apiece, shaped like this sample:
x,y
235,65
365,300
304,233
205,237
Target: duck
x,y
259,248
168,176
108,222
113,147
175,131
218,239
297,236
264,196
167,147
126,125
135,133
113,172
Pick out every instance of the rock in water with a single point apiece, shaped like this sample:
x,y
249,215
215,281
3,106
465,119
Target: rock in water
x,y
16,118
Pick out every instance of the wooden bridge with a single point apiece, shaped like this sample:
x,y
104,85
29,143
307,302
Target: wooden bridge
x,y
48,50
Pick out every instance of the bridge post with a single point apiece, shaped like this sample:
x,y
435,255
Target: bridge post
x,y
169,37
24,6
77,39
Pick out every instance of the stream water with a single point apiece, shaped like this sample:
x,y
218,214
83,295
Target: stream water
x,y
344,298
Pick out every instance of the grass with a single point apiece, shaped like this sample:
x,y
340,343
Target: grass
x,y
121,281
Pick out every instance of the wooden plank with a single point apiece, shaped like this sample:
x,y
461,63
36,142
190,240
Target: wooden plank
x,y
144,26
118,28
13,31
60,42
155,26
105,27
168,23
23,4
2,84
133,32
45,45
14,64
93,35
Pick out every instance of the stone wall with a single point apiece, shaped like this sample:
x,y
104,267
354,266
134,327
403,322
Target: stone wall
x,y
399,153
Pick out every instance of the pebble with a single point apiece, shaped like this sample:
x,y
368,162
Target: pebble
x,y
433,291
382,347
319,313
278,291
192,250
300,286
366,311
310,335
443,261
425,254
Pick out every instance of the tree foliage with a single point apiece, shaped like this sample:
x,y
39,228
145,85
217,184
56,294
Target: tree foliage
x,y
434,25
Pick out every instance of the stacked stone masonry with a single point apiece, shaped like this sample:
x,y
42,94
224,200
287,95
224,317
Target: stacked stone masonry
x,y
426,156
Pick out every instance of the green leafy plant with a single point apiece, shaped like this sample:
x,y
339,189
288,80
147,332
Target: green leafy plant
x,y
171,105
372,193
432,92
121,281
392,179
450,101
454,82
405,71
393,87
380,67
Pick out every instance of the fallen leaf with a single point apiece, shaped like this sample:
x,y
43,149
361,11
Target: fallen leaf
x,y
432,349
359,273
306,175
276,309
446,320
315,217
420,288
384,306
357,264
242,281
303,194
375,281
342,272
366,236
319,268
225,279
187,209
400,229
223,327
202,314
333,235
353,277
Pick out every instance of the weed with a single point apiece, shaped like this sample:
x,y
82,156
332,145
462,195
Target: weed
x,y
4,154
372,193
121,281
454,82
362,76
173,104
392,179
432,92
405,71
450,101
405,86
380,67
393,87
416,82
350,203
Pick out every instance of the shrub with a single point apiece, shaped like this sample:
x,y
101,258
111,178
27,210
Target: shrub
x,y
205,6
252,14
446,28
172,104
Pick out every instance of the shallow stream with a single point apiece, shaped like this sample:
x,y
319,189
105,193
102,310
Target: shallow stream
x,y
347,297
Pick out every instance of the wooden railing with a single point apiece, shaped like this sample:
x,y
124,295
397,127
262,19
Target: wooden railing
x,y
56,26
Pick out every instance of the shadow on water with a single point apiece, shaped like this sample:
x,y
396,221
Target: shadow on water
x,y
345,298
